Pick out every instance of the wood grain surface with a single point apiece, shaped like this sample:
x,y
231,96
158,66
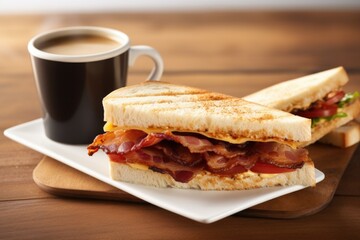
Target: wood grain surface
x,y
231,52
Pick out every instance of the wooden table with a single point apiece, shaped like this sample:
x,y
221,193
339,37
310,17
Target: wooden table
x,y
234,53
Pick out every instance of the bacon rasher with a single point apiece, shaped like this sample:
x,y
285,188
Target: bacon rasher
x,y
182,155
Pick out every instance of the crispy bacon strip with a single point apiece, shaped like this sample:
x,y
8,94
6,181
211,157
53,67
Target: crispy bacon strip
x,y
157,161
280,155
182,155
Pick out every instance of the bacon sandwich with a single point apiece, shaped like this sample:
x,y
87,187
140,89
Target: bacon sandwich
x,y
167,135
319,97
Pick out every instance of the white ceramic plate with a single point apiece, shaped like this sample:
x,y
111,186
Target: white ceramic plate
x,y
201,206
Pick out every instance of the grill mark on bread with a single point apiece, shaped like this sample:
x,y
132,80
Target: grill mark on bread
x,y
209,102
201,97
170,93
213,114
154,88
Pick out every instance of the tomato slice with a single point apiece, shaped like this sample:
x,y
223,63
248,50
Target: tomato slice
x,y
260,167
334,97
324,111
323,108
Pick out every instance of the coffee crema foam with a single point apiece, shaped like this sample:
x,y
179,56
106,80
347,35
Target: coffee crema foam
x,y
79,45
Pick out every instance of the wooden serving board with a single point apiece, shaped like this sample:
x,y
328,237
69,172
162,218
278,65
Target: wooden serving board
x,y
59,179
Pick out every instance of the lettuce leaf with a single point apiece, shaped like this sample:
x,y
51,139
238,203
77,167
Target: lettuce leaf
x,y
315,121
348,98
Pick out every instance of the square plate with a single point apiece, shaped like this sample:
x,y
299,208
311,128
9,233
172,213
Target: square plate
x,y
201,206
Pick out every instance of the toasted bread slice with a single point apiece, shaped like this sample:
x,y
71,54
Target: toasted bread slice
x,y
164,106
299,93
207,181
344,136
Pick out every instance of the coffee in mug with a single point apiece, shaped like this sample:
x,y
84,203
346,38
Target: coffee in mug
x,y
79,45
75,68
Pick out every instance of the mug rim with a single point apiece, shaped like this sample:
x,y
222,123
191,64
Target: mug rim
x,y
113,34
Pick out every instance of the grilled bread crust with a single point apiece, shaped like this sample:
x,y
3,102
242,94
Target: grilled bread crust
x,y
160,105
299,93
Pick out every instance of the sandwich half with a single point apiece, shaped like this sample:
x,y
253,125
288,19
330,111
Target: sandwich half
x,y
319,97
167,135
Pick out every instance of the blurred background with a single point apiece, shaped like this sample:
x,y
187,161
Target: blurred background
x,y
40,6
200,40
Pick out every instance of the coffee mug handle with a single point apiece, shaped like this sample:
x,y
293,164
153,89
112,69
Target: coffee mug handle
x,y
136,51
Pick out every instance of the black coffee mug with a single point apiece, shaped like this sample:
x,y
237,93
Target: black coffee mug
x,y
75,68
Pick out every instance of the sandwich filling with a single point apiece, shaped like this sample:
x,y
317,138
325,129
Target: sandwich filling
x,y
183,155
328,108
